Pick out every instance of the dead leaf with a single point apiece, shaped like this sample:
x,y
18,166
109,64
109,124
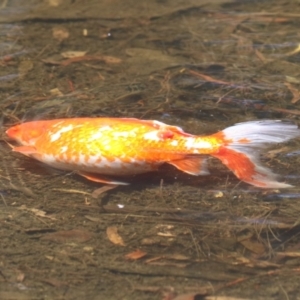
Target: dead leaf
x,y
292,79
189,296
137,254
88,249
209,78
149,241
60,33
254,263
153,259
111,59
113,236
168,264
20,276
288,254
27,191
56,92
148,289
106,59
166,234
96,193
93,219
51,258
295,51
55,3
153,59
177,257
218,194
273,153
295,92
253,246
35,230
51,61
165,230
37,212
66,62
260,55
68,236
24,67
72,54
54,282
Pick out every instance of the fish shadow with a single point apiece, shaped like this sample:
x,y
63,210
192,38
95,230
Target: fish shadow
x,y
165,175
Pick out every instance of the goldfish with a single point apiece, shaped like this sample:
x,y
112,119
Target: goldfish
x,y
101,148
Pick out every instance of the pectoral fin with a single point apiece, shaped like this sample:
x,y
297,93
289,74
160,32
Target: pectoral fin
x,y
26,150
99,178
193,165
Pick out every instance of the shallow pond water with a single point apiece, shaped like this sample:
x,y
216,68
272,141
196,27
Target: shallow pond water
x,y
200,65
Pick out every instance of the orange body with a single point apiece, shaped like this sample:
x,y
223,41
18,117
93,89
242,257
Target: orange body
x,y
95,147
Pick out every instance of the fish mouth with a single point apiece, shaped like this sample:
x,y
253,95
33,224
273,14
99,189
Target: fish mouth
x,y
13,132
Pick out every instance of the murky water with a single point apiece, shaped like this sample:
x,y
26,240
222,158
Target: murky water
x,y
202,66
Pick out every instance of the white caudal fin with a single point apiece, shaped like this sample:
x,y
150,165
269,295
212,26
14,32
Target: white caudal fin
x,y
245,140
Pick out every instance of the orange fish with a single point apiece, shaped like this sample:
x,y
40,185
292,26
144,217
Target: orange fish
x,y
100,147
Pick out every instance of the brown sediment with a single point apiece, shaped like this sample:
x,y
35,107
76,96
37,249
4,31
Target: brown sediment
x,y
199,67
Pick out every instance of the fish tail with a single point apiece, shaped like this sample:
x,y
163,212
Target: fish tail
x,y
243,143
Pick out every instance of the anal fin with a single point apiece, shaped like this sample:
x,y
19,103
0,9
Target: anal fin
x,y
99,178
193,165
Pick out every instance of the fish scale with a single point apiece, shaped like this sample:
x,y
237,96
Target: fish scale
x,y
110,145
96,147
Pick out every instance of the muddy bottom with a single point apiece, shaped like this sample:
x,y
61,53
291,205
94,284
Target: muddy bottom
x,y
168,235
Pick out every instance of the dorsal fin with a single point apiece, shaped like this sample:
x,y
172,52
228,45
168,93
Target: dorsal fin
x,y
168,132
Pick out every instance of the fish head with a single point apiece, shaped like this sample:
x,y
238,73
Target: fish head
x,y
26,133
